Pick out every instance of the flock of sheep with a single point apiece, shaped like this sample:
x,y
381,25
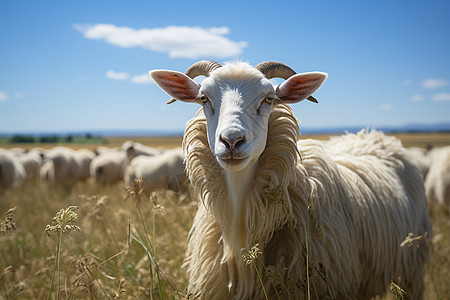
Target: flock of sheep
x,y
62,166
341,207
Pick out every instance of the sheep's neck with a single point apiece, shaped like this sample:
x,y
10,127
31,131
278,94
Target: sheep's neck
x,y
238,185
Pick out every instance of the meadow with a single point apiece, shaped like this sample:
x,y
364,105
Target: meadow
x,y
118,243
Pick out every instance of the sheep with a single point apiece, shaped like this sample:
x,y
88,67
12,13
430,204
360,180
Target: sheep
x,y
420,155
61,167
134,149
11,170
341,209
437,183
163,171
85,157
31,161
108,167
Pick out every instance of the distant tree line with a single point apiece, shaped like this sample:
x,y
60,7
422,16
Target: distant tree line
x,y
87,138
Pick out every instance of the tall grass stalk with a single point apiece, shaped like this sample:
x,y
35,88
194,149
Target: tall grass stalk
x,y
307,262
136,191
63,222
249,257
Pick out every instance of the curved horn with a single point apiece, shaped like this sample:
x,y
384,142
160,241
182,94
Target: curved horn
x,y
203,67
273,69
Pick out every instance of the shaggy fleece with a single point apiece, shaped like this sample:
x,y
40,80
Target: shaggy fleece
x,y
329,213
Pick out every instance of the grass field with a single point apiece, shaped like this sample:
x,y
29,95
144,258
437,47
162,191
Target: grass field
x,y
121,240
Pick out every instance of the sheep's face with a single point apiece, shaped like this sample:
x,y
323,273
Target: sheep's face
x,y
237,101
237,107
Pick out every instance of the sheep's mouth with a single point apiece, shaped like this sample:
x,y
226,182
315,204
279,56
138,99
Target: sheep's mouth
x,y
234,161
233,164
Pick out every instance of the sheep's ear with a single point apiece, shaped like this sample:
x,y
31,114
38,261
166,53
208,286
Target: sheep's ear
x,y
177,85
300,86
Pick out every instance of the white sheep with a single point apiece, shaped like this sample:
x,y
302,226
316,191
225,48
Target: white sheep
x,y
108,167
437,182
342,208
11,170
31,161
163,171
134,149
420,155
85,157
61,167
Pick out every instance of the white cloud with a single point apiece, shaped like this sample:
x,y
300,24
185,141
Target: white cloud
x,y
117,75
176,41
442,97
386,107
3,96
433,83
417,98
406,82
142,79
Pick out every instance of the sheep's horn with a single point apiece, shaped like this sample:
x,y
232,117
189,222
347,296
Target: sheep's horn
x,y
203,67
273,69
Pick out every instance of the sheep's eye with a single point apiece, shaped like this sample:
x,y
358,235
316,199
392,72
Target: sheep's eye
x,y
269,99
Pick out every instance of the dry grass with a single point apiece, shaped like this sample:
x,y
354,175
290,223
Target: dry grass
x,y
109,258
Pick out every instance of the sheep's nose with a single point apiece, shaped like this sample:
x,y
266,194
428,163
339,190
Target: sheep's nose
x,y
232,142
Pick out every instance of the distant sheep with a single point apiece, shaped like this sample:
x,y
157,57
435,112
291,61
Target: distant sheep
x,y
31,161
134,149
85,158
437,182
421,157
163,171
108,167
11,170
341,208
61,166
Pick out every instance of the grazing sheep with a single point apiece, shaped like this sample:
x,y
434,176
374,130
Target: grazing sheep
x,y
134,149
437,182
31,161
85,158
61,167
108,167
163,171
420,155
341,208
11,170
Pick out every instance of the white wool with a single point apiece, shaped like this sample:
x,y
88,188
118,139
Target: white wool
x,y
162,171
85,157
11,170
420,155
437,182
108,167
61,166
354,199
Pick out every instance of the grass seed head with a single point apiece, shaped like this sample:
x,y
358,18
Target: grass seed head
x,y
251,255
136,189
7,223
64,221
397,291
412,240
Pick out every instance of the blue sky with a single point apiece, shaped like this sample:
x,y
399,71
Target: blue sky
x,y
81,65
